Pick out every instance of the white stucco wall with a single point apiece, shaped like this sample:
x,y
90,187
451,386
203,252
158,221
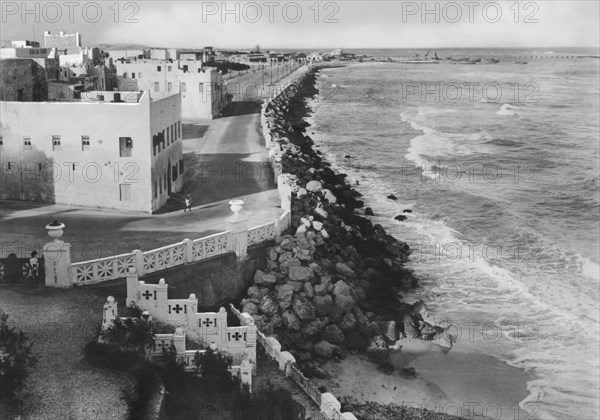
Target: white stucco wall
x,y
70,175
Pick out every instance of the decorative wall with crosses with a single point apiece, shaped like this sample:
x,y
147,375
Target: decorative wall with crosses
x,y
206,327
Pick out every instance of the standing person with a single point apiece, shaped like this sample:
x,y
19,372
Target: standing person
x,y
34,267
188,203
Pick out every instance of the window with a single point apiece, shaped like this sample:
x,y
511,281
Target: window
x,y
181,166
172,133
160,185
168,137
1,143
156,144
155,189
183,87
124,75
85,143
133,75
200,88
56,143
185,68
27,143
156,86
162,139
174,172
179,129
158,68
169,86
165,181
124,192
125,146
169,68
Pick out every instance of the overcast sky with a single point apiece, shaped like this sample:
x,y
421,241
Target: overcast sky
x,y
308,24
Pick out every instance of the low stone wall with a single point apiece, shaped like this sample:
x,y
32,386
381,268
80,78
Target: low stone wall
x,y
329,405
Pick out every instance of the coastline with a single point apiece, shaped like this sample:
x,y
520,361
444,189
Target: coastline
x,y
464,382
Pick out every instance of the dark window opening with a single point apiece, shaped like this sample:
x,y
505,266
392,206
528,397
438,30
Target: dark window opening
x,y
125,146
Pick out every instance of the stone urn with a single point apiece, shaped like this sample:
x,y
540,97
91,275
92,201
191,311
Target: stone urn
x,y
213,346
55,229
236,206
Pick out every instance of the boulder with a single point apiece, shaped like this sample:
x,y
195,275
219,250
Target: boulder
x,y
328,195
323,214
369,212
344,270
311,328
250,308
333,334
371,275
316,268
400,218
324,234
322,289
292,262
378,352
301,192
324,349
287,244
253,291
392,197
303,308
268,305
300,273
407,211
259,321
291,321
308,289
264,279
314,186
341,288
296,285
348,322
284,295
317,225
323,304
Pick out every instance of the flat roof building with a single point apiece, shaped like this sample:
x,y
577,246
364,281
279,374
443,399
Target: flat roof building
x,y
203,91
117,150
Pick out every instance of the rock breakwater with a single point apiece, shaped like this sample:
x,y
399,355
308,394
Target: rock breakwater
x,y
333,283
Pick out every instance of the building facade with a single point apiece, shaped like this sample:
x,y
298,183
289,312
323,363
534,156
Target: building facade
x,y
117,150
66,43
203,92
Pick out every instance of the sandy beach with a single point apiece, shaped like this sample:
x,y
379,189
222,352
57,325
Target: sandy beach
x,y
463,382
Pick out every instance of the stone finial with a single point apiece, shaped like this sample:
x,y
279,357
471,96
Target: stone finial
x,y
161,282
178,331
131,271
192,296
110,299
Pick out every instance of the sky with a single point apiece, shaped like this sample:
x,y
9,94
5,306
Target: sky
x,y
311,24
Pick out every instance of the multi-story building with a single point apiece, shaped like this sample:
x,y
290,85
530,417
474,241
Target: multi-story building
x,y
26,71
203,91
118,150
129,54
65,43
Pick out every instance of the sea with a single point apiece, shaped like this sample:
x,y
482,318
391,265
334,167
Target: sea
x,y
495,166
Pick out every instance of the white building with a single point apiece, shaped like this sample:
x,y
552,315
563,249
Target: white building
x,y
118,150
203,91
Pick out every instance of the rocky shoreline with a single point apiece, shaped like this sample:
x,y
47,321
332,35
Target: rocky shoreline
x,y
333,285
